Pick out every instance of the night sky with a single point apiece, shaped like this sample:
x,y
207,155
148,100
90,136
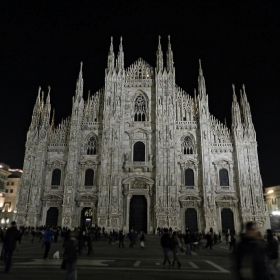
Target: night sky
x,y
43,42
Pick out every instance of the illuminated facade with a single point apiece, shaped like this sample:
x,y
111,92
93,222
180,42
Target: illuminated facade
x,y
9,188
141,153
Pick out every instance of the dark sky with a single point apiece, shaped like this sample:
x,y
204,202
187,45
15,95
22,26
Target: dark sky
x,y
43,42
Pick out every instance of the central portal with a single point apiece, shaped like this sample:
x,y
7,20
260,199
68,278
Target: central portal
x,y
138,213
191,220
86,217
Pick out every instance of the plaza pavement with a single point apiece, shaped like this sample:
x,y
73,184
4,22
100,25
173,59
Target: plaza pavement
x,y
111,262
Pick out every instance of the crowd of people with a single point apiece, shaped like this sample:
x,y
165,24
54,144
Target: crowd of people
x,y
254,256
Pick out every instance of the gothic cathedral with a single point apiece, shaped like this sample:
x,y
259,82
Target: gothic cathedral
x,y
141,153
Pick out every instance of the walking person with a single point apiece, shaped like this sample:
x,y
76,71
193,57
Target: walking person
x,y
209,240
166,245
48,237
71,255
10,239
89,243
272,255
188,242
131,237
121,238
174,246
142,240
250,255
232,242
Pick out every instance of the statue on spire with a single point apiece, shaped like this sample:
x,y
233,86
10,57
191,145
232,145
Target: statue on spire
x,y
120,59
159,57
111,57
169,57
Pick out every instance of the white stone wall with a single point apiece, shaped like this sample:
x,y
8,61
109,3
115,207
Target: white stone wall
x,y
171,115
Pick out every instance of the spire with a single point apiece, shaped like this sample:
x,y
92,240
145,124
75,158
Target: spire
x,y
42,107
169,57
120,59
159,57
235,111
52,123
201,81
47,110
111,57
246,111
80,83
36,111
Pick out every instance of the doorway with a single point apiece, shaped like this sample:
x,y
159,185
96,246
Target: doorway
x,y
227,220
191,220
52,217
86,217
138,213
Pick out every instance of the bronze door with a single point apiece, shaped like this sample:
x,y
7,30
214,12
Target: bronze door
x,y
138,213
227,220
191,219
86,217
52,217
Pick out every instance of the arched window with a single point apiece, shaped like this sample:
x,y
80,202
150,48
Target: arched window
x,y
139,151
223,174
189,177
188,146
92,146
56,176
140,109
89,177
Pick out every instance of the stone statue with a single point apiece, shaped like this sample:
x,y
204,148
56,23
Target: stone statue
x,y
160,201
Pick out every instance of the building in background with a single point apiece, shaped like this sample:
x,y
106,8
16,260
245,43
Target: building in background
x,y
4,173
141,153
10,181
11,195
272,195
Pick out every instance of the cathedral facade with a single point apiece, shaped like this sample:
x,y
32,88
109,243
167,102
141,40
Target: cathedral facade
x,y
141,153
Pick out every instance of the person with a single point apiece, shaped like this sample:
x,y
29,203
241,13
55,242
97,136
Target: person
x,y
188,242
131,237
166,245
70,256
89,243
174,245
10,239
272,255
250,255
209,240
121,238
232,242
142,240
48,237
